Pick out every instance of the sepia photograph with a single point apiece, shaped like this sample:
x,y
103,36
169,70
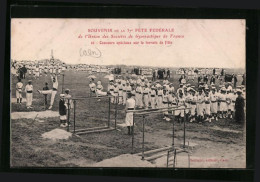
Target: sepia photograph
x,y
149,93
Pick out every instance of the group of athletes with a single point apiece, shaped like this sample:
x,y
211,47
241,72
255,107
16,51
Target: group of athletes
x,y
198,103
36,69
203,103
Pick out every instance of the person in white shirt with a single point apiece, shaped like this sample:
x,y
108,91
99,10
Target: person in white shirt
x,y
139,96
110,90
152,97
207,105
116,90
229,103
193,103
165,105
214,103
223,103
29,94
130,105
200,105
146,96
100,91
37,72
159,101
181,105
19,88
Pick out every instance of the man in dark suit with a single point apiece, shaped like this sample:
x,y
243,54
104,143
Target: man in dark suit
x,y
239,107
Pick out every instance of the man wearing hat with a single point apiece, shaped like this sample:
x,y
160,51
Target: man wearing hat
x,y
152,97
146,96
139,96
239,107
200,105
214,103
181,105
110,91
116,90
193,103
130,105
29,94
229,103
223,102
159,101
19,88
165,104
207,105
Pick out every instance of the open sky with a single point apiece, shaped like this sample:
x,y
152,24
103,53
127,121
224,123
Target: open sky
x,y
206,43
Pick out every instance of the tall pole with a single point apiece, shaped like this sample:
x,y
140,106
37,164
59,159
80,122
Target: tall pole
x,y
115,110
143,139
74,116
173,119
62,89
68,120
184,128
133,133
108,121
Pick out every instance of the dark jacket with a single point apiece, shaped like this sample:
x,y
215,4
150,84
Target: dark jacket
x,y
239,107
62,108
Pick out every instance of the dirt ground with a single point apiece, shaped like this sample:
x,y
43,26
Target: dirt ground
x,y
220,144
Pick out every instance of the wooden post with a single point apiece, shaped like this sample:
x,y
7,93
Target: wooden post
x,y
133,134
68,120
174,158
143,139
115,110
184,128
168,153
74,116
108,122
173,119
62,88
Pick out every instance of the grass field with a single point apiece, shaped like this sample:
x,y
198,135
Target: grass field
x,y
222,139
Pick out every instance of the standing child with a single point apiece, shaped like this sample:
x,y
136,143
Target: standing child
x,y
19,88
62,111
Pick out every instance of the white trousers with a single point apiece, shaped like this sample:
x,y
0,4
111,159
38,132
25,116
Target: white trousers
x,y
129,119
29,97
19,94
53,94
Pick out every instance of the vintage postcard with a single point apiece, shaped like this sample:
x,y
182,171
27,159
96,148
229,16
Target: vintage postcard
x,y
162,93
